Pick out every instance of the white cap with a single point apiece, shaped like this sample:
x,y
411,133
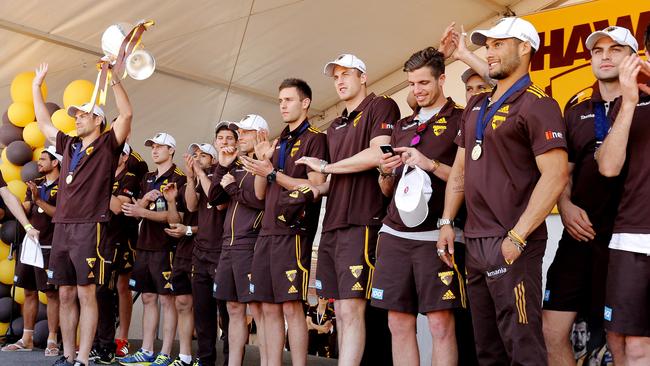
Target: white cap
x,y
412,196
511,27
52,151
619,35
126,150
162,138
206,148
252,122
345,60
87,107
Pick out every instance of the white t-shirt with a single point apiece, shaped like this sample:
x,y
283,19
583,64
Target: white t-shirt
x,y
637,243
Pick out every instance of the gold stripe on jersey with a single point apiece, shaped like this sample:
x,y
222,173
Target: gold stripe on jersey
x,y
179,172
314,130
136,156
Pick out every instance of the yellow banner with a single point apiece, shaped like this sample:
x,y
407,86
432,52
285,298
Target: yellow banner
x,y
562,65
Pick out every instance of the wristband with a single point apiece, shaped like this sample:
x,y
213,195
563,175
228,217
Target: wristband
x,y
323,164
436,165
28,227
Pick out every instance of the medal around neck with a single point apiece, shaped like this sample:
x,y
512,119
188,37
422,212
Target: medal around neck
x,y
477,151
68,179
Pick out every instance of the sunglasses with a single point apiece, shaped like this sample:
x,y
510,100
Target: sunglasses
x,y
415,141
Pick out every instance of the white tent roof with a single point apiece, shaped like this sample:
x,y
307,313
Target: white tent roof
x,y
199,45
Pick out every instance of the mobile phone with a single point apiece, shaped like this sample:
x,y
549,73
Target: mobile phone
x,y
387,149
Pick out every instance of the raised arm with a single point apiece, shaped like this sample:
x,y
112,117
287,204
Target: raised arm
x,y
122,125
42,115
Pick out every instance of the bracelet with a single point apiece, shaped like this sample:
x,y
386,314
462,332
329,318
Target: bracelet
x,y
436,165
113,82
323,164
28,227
519,247
385,175
517,240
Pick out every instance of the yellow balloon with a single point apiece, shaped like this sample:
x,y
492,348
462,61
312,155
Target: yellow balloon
x,y
4,327
62,121
42,298
4,250
3,156
33,136
21,113
37,153
9,171
19,295
72,133
21,87
78,92
18,188
7,271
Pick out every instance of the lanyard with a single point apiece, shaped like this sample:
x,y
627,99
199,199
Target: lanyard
x,y
287,143
483,120
44,191
77,154
601,122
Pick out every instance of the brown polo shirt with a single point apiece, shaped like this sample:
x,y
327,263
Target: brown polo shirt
x,y
356,199
311,142
136,165
86,199
436,142
597,195
499,184
152,236
127,185
186,243
42,221
634,211
210,235
244,215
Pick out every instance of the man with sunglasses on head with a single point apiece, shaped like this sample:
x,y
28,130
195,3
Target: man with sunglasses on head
x,y
510,178
409,278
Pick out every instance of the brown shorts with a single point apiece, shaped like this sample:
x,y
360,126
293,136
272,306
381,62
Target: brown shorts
x,y
506,302
346,260
33,278
410,278
152,272
75,258
628,293
280,268
181,276
205,262
125,257
233,278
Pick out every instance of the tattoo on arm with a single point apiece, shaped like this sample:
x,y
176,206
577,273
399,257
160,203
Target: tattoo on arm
x,y
459,184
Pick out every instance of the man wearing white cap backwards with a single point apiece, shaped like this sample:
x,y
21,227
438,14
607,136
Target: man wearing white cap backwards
x,y
625,152
510,181
355,206
576,279
82,213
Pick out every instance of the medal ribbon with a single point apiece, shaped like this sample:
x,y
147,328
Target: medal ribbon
x,y
601,122
77,154
287,143
483,120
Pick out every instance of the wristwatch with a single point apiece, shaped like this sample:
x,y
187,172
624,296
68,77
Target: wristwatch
x,y
442,222
188,232
271,177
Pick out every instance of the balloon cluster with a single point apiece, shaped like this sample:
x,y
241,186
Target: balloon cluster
x,y
22,143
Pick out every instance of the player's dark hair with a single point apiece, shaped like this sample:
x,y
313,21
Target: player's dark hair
x,y
428,57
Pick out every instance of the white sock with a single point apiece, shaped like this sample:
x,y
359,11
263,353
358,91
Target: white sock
x,y
147,352
185,358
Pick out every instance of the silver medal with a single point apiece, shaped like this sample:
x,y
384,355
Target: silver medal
x,y
476,152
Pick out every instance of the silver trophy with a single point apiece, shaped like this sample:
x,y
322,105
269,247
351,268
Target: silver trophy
x,y
139,64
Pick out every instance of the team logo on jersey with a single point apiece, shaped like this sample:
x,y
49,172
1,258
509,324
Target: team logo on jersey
x,y
167,275
446,277
356,271
439,130
377,293
89,150
292,290
357,287
91,262
448,295
291,275
294,194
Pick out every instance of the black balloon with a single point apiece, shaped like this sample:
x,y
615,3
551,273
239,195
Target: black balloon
x,y
5,118
17,326
5,290
6,305
19,153
8,231
29,171
10,133
52,107
41,332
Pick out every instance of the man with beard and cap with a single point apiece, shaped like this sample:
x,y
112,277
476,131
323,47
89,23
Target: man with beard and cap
x,y
576,279
516,138
151,273
40,206
83,210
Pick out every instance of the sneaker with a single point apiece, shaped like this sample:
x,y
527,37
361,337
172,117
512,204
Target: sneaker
x,y
61,361
179,362
122,348
197,362
162,360
93,355
106,357
78,363
137,359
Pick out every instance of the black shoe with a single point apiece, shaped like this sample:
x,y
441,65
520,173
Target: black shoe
x,y
61,361
93,355
106,357
78,363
